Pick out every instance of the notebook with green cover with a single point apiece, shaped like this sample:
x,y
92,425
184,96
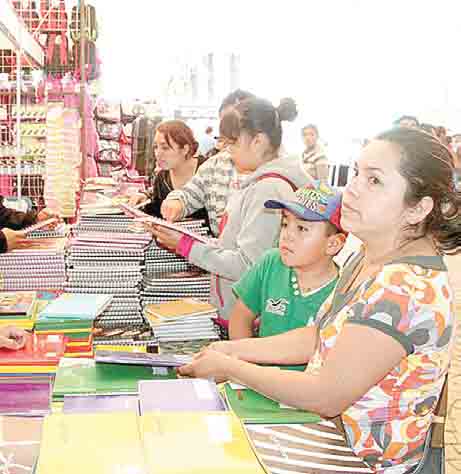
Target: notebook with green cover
x,y
84,376
252,407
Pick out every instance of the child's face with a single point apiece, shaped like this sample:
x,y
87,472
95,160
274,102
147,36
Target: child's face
x,y
302,243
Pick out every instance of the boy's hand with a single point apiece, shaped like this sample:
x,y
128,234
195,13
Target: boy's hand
x,y
172,210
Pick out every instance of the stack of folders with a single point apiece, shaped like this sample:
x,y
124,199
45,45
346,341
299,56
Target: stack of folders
x,y
182,320
17,309
164,287
210,442
109,263
73,315
34,265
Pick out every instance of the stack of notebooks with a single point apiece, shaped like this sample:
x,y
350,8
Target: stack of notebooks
x,y
182,320
35,265
17,309
164,261
135,338
39,357
182,395
73,315
163,287
109,263
124,442
85,377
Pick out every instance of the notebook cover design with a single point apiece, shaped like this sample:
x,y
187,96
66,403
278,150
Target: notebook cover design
x,y
210,443
91,444
180,395
252,407
100,403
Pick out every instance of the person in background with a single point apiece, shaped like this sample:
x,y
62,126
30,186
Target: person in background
x,y
175,150
207,143
215,180
408,121
247,229
314,159
286,286
12,338
12,222
379,353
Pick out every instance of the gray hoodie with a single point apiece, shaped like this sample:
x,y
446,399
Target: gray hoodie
x,y
250,229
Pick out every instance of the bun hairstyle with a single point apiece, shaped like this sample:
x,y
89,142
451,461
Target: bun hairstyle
x,y
234,98
259,115
178,132
427,165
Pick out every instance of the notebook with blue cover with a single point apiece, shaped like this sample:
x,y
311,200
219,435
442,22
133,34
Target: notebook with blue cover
x,y
77,306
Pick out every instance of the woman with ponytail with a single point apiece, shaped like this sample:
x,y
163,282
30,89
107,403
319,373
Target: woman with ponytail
x,y
247,230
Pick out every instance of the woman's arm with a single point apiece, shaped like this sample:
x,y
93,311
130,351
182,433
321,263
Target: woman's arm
x,y
361,357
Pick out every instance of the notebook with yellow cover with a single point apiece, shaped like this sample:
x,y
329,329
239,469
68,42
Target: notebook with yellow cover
x,y
96,443
208,443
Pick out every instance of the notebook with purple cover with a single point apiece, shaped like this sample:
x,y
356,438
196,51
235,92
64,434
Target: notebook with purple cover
x,y
25,399
100,403
140,358
179,395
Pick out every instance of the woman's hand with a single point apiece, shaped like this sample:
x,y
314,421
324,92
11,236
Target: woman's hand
x,y
136,199
172,210
46,214
13,238
208,364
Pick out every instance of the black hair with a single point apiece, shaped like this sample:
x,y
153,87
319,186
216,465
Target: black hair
x,y
259,115
235,98
311,126
407,117
427,165
428,128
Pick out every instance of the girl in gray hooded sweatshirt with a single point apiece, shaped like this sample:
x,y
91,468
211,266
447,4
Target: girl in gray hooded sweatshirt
x,y
247,228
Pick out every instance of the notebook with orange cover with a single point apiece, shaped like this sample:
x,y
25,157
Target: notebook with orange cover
x,y
208,443
96,443
39,350
17,303
179,309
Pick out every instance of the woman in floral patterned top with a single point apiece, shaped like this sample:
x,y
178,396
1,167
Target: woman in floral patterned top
x,y
380,351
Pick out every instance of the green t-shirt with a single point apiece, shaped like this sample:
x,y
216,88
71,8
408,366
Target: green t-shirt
x,y
267,290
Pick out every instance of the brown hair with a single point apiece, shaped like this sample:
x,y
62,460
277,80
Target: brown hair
x,y
427,165
178,132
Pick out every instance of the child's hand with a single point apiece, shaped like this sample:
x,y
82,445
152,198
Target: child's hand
x,y
12,338
172,209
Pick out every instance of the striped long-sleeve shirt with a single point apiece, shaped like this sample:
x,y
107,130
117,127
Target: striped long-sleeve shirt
x,y
210,188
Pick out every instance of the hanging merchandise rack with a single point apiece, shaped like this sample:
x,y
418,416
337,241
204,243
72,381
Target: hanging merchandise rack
x,y
31,35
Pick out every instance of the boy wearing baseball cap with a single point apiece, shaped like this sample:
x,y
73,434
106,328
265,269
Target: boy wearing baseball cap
x,y
287,286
